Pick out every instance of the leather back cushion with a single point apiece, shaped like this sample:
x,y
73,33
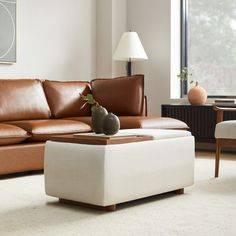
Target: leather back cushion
x,y
64,98
123,96
22,99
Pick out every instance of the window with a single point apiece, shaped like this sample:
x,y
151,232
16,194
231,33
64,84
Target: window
x,y
209,45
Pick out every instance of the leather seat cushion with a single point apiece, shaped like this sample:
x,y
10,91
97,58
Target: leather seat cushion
x,y
42,130
10,134
226,129
23,99
129,122
64,98
132,122
85,119
123,96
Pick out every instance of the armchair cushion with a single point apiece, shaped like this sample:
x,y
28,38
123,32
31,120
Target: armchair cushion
x,y
226,129
123,96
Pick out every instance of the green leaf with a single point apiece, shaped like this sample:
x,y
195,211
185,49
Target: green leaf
x,y
91,102
89,96
185,74
88,99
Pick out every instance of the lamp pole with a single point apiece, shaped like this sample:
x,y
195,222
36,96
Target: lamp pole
x,y
129,67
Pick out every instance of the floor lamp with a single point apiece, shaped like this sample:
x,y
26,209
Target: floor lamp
x,y
130,49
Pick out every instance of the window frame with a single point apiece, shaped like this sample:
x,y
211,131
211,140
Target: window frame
x,y
184,50
184,44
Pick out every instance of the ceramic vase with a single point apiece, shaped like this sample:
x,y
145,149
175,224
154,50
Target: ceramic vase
x,y
197,95
98,114
111,124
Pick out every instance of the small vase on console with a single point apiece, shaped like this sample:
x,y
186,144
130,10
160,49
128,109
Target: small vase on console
x,y
197,95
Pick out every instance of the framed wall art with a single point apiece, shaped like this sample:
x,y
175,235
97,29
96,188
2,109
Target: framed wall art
x,y
7,31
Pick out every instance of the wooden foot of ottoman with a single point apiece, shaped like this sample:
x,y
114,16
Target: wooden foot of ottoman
x,y
179,191
104,208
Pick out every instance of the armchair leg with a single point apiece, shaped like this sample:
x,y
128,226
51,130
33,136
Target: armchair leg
x,y
217,158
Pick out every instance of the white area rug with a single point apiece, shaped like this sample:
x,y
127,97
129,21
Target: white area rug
x,y
208,208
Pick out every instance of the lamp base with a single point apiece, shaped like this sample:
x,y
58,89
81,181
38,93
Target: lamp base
x,y
129,68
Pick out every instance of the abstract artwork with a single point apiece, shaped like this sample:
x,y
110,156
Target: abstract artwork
x,y
7,31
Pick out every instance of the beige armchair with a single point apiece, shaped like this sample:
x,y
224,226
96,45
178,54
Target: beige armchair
x,y
225,134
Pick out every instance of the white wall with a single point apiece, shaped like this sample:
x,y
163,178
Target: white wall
x,y
151,19
111,22
119,26
104,38
56,39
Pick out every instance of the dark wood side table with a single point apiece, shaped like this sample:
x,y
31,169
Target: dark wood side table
x,y
200,119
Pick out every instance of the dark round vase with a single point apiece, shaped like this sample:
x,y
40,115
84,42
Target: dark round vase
x,y
111,124
98,114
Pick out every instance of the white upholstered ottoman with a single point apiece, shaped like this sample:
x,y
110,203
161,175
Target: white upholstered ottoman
x,y
104,175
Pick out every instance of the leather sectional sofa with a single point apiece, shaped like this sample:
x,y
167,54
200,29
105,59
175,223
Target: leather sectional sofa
x,y
31,111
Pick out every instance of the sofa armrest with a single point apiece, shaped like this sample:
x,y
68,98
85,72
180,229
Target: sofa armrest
x,y
144,113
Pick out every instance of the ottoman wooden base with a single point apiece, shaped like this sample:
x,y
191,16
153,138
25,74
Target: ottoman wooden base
x,y
105,208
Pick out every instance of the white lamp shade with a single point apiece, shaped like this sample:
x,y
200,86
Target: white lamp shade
x,y
130,48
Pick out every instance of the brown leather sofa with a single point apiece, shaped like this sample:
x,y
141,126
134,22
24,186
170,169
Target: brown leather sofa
x,y
31,111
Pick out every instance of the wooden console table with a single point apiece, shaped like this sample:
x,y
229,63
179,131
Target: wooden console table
x,y
200,119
